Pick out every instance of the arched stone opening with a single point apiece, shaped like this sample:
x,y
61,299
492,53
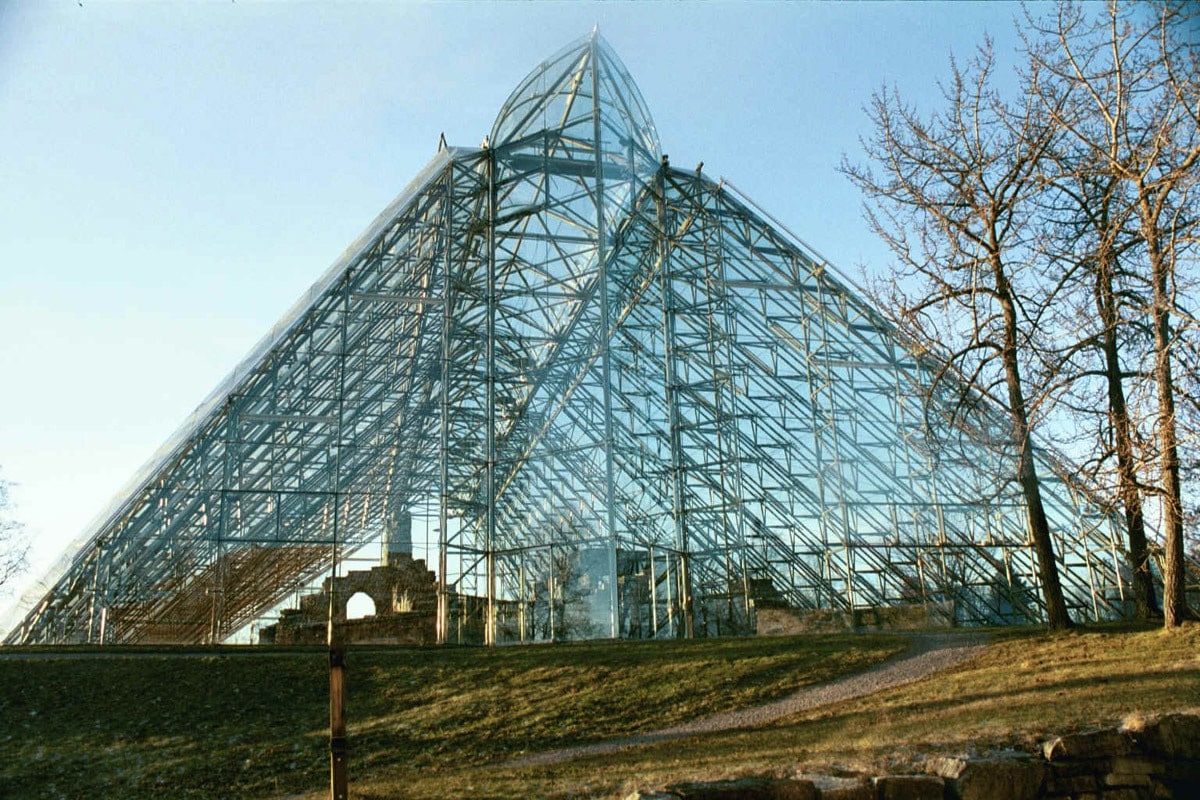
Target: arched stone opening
x,y
360,605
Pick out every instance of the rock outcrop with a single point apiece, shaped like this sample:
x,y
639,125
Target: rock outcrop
x,y
1150,760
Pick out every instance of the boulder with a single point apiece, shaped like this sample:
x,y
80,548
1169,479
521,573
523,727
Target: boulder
x,y
841,788
910,787
1012,775
1105,743
1082,783
948,767
857,791
1174,736
1123,794
746,789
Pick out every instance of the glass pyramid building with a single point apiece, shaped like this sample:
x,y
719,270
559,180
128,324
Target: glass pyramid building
x,y
619,400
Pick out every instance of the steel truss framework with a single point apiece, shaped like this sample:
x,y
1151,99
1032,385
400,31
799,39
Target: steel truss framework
x,y
625,402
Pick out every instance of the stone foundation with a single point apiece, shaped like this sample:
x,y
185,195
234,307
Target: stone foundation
x,y
775,620
1157,760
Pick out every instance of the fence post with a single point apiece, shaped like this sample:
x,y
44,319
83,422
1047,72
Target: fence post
x,y
338,784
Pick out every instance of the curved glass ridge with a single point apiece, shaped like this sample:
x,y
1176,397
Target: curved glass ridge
x,y
567,94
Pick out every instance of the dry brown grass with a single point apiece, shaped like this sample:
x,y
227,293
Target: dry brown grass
x,y
429,723
1025,687
254,725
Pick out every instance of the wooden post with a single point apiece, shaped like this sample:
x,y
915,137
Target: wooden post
x,y
338,783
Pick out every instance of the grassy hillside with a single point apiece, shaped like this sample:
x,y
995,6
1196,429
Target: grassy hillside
x,y
254,725
1026,686
442,722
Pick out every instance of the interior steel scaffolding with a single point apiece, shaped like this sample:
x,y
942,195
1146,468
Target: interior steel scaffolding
x,y
617,399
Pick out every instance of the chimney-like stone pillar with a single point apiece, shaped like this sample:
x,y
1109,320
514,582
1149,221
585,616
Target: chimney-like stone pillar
x,y
397,538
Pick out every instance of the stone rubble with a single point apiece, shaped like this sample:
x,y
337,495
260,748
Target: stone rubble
x,y
1155,760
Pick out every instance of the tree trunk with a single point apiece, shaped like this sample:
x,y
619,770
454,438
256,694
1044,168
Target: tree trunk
x,y
1144,599
1175,609
1057,617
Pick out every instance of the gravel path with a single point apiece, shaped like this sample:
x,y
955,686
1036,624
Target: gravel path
x,y
929,653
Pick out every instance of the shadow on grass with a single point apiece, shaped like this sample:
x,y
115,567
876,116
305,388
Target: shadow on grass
x,y
197,727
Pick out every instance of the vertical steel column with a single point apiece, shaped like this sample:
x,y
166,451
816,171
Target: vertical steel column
x,y
521,594
337,449
106,597
818,448
489,625
231,425
1083,539
842,500
550,590
678,502
899,419
671,628
1116,563
98,550
338,780
730,391
653,594
443,600
605,333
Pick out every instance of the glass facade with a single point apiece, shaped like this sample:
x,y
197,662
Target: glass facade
x,y
610,398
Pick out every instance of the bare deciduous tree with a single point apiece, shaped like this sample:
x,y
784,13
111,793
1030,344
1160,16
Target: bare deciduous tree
x,y
1089,340
1124,87
952,198
14,548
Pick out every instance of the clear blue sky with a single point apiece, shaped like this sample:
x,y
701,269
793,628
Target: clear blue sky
x,y
174,175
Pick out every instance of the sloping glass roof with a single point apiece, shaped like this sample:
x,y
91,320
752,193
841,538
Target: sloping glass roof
x,y
606,398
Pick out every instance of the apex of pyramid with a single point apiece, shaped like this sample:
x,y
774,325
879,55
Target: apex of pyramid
x,y
583,84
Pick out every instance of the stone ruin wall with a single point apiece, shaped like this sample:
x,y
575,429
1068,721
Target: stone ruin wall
x,y
405,595
1156,759
403,589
